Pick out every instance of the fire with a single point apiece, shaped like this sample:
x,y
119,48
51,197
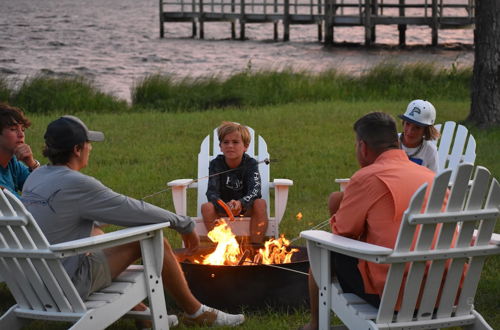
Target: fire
x,y
227,248
275,251
229,252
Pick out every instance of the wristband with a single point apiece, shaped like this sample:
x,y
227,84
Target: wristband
x,y
37,165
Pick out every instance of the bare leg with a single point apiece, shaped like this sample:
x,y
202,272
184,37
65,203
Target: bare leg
x,y
258,221
209,215
334,201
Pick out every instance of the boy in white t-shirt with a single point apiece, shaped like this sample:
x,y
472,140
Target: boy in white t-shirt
x,y
419,132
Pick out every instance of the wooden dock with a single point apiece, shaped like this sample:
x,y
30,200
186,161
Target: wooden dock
x,y
326,14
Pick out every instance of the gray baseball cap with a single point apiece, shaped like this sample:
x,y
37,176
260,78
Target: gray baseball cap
x,y
68,131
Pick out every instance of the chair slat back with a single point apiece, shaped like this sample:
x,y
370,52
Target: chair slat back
x,y
456,146
436,283
35,277
209,152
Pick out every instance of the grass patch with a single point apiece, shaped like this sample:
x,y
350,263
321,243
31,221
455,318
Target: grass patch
x,y
386,81
312,142
43,94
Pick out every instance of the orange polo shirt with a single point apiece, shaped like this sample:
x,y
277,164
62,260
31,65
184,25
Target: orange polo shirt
x,y
374,202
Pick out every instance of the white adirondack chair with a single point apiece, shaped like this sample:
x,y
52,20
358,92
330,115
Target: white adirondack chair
x,y
465,210
241,226
32,269
455,146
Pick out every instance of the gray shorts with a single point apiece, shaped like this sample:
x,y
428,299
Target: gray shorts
x,y
100,275
93,274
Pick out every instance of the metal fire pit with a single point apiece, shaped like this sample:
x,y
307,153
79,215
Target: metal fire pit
x,y
253,287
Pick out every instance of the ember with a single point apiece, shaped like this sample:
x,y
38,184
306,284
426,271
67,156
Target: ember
x,y
228,252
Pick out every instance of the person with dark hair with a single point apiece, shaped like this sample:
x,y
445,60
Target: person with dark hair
x,y
66,203
371,207
16,158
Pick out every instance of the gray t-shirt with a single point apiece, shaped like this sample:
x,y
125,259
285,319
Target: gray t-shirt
x,y
65,203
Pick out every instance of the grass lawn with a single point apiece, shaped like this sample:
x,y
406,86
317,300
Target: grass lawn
x,y
313,143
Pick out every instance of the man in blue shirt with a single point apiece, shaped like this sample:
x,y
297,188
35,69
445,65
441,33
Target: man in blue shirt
x,y
16,158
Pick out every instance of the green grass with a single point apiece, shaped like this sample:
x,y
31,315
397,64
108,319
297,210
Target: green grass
x,y
165,93
386,81
45,94
312,142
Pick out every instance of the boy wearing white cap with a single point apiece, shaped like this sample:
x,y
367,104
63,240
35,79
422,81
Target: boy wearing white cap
x,y
418,133
66,202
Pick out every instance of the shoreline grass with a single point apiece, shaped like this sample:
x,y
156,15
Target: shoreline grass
x,y
165,93
313,143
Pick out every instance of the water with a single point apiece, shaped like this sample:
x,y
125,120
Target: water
x,y
116,43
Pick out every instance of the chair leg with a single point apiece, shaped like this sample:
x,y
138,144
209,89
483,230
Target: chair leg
x,y
10,321
479,323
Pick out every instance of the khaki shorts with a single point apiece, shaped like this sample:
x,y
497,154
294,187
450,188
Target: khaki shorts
x,y
100,275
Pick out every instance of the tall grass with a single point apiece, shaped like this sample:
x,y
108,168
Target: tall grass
x,y
384,82
44,94
312,143
387,81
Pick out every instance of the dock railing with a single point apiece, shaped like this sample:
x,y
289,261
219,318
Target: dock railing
x,y
326,14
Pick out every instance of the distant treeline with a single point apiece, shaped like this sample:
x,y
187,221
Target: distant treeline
x,y
44,94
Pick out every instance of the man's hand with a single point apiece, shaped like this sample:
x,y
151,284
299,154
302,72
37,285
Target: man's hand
x,y
235,207
23,153
191,242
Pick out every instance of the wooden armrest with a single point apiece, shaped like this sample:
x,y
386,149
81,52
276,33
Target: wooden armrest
x,y
347,246
181,182
281,182
99,242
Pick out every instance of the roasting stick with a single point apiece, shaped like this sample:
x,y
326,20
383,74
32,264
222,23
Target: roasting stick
x,y
265,161
274,266
318,226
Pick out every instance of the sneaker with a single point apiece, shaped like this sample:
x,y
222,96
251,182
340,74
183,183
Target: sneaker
x,y
214,317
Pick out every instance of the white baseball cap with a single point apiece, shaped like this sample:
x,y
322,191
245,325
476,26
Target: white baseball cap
x,y
420,112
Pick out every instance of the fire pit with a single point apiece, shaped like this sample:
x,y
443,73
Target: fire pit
x,y
250,286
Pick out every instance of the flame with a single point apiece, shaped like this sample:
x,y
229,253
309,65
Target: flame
x,y
228,251
227,248
275,251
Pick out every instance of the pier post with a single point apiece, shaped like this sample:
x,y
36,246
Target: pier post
x,y
200,19
402,27
233,25
320,23
367,23
329,13
242,20
193,24
275,23
435,23
162,31
286,21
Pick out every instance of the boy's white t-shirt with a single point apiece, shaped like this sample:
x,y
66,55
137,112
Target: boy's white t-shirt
x,y
427,156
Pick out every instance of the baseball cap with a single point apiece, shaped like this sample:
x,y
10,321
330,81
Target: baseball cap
x,y
420,112
68,131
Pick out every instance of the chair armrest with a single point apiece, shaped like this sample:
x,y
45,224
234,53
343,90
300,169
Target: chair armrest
x,y
347,246
280,197
114,238
280,182
179,194
180,182
495,238
342,183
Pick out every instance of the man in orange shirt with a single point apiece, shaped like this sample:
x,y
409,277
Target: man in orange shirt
x,y
371,207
